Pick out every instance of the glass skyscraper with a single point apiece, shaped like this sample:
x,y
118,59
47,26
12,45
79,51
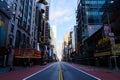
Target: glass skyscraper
x,y
89,17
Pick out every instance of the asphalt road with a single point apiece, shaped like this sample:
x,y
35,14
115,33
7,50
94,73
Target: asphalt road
x,y
51,73
70,73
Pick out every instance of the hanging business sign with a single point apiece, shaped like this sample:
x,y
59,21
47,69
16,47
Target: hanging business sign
x,y
116,49
106,30
112,39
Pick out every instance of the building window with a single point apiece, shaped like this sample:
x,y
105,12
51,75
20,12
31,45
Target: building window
x,y
12,28
14,6
18,24
18,39
10,41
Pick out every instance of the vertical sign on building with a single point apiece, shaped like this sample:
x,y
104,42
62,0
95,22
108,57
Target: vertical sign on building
x,y
47,13
106,30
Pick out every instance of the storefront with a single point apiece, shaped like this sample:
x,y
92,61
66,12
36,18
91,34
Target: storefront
x,y
116,54
102,58
27,57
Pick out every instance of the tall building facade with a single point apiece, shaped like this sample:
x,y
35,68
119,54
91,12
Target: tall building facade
x,y
66,38
22,22
75,39
102,29
5,17
21,29
70,44
39,20
44,38
53,39
65,47
111,25
88,18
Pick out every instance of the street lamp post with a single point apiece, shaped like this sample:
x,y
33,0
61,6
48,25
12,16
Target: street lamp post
x,y
112,40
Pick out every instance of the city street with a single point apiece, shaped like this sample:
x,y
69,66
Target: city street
x,y
59,40
52,73
70,73
61,71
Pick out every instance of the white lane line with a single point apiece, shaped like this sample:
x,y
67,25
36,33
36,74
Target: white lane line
x,y
39,71
84,72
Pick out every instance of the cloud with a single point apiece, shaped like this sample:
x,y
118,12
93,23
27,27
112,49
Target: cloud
x,y
67,18
58,14
71,28
61,12
61,16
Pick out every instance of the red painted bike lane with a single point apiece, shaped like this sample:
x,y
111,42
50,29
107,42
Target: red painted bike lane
x,y
103,74
19,75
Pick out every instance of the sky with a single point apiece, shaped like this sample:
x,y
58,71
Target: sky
x,y
62,18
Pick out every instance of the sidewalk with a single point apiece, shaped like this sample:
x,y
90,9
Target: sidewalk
x,y
20,74
6,69
103,74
